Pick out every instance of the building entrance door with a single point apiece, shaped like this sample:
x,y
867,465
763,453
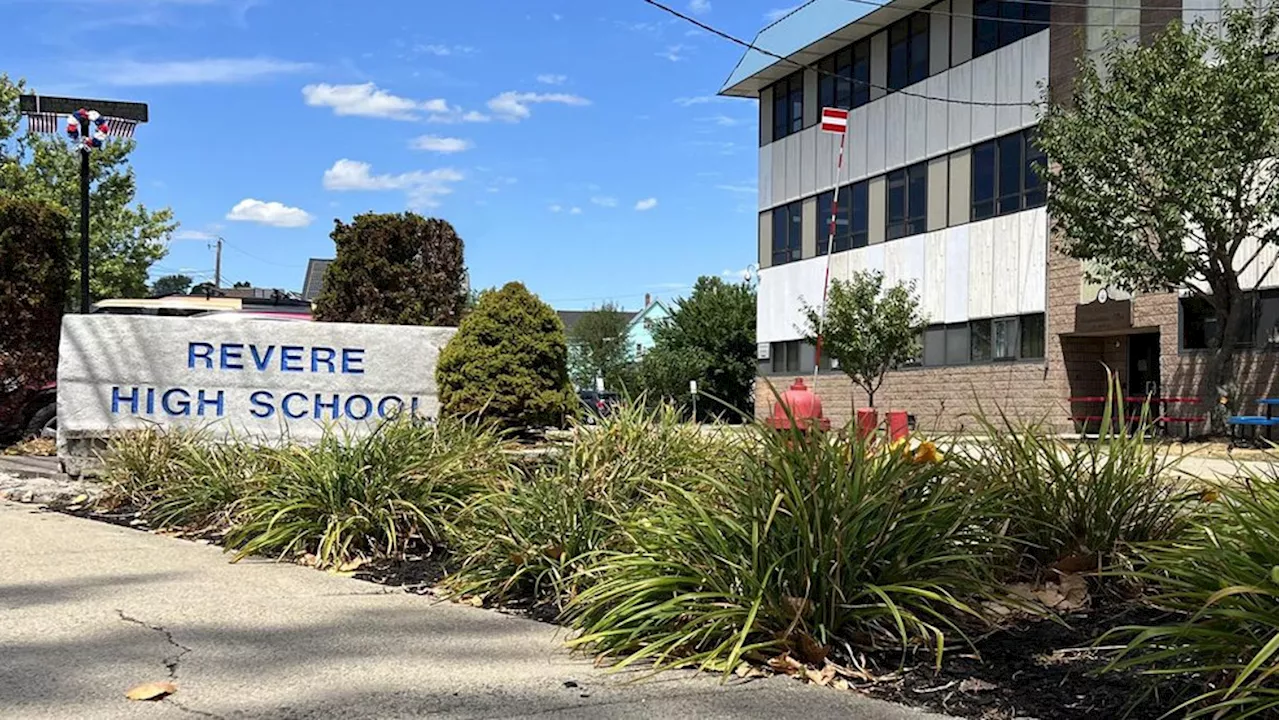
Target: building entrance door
x,y
1143,372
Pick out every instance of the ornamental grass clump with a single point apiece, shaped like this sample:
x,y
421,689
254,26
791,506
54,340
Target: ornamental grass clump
x,y
1074,506
1223,580
350,498
527,541
813,543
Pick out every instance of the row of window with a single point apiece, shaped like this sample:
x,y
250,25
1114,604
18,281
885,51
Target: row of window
x,y
975,342
1002,181
1199,324
844,77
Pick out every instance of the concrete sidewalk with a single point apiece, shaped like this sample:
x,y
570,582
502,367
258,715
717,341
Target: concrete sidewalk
x,y
87,610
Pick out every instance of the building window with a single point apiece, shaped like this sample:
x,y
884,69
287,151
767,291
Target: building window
x,y
1199,324
851,218
844,78
1004,339
785,356
984,341
958,344
908,51
1031,337
935,345
980,341
788,105
1003,179
997,23
786,233
906,200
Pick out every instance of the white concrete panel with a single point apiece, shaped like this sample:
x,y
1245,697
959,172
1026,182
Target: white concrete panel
x,y
825,146
764,178
1004,266
917,125
1035,72
779,168
783,291
933,301
956,268
980,262
857,262
895,130
875,137
1262,271
936,116
809,161
894,262
911,259
959,114
840,266
857,144
1033,247
983,117
1009,87
791,151
873,258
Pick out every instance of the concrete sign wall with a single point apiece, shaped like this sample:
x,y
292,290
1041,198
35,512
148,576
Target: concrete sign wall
x,y
262,378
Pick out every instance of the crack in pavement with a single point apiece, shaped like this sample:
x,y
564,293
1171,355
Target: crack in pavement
x,y
171,662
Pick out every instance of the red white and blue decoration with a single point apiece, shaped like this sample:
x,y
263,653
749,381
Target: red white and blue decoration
x,y
88,127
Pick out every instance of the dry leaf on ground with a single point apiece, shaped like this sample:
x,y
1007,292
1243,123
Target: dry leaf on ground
x,y
151,691
976,685
785,664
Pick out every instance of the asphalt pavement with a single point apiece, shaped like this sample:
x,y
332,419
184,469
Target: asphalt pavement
x,y
88,610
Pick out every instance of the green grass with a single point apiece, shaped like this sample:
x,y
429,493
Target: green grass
x,y
809,544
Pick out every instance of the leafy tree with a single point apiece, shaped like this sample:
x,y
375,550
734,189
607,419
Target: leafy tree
x,y
125,237
709,337
171,285
869,329
33,288
1163,167
507,363
400,269
599,347
204,288
242,284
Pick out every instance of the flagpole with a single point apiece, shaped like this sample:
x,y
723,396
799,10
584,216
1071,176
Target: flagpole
x,y
831,241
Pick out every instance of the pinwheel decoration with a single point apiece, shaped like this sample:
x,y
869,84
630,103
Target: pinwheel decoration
x,y
88,127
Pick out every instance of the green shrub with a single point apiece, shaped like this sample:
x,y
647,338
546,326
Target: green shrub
x,y
506,364
348,498
34,274
1224,579
810,544
529,540
1075,505
137,464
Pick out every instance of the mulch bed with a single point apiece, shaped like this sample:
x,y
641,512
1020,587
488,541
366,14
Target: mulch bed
x,y
1031,669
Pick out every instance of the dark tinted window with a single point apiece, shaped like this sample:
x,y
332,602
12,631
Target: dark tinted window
x,y
1266,324
851,218
983,180
844,76
986,30
906,201
1000,22
1032,184
1002,179
1004,339
1031,339
861,73
785,356
1009,174
980,341
958,344
908,51
788,105
935,345
858,214
786,233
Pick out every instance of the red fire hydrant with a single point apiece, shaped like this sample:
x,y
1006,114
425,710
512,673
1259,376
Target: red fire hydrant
x,y
805,407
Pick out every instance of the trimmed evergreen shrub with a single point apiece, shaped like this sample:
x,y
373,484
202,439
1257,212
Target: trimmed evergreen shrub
x,y
34,274
507,364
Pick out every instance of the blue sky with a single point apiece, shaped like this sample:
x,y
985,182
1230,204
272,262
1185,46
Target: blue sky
x,y
576,146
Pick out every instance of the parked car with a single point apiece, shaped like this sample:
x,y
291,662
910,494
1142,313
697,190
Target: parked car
x,y
27,411
597,405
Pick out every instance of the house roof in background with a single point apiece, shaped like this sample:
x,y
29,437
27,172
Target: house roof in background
x,y
314,277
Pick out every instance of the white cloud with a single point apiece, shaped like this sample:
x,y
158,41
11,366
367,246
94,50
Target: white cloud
x,y
700,100
551,79
647,204
444,50
777,14
514,106
440,111
699,7
743,188
723,120
423,188
554,208
193,235
435,143
575,211
207,71
269,213
365,100
672,52
605,201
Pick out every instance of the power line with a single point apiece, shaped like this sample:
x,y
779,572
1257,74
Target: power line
x,y
261,260
991,18
803,66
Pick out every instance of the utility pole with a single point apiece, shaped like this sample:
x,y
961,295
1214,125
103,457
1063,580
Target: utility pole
x,y
89,124
217,266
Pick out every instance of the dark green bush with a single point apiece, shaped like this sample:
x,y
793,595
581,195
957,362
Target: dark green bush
x,y
34,272
507,364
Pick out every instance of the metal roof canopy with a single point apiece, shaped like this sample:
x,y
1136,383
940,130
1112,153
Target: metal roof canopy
x,y
136,112
792,36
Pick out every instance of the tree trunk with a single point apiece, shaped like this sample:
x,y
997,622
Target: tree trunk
x,y
1220,384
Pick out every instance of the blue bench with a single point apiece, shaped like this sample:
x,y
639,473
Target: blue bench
x,y
1241,422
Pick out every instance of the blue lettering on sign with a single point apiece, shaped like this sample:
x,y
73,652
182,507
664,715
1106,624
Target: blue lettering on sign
x,y
321,405
363,413
323,355
184,402
151,401
261,361
202,402
232,358
353,361
200,350
284,406
132,399
262,407
382,406
289,355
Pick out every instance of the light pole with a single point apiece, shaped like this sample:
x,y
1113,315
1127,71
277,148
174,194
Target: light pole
x,y
89,129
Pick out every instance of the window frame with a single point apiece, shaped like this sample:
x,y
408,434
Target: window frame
x,y
1012,338
912,55
910,223
788,106
791,249
784,352
991,155
851,197
998,23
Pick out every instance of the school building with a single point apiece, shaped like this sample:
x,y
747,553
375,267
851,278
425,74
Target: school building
x,y
942,193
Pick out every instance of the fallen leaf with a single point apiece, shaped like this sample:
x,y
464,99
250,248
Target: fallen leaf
x,y
976,685
475,601
1076,562
350,565
808,650
1075,592
785,664
554,552
840,684
1049,596
151,691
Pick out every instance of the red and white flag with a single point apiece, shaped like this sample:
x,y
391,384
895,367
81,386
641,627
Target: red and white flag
x,y
834,120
